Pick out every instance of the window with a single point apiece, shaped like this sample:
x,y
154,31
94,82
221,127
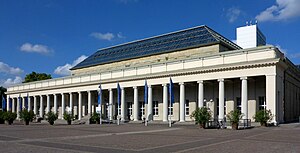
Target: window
x,y
129,108
142,109
262,105
238,103
170,109
155,108
187,107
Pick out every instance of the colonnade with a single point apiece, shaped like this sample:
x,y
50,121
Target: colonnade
x,y
244,101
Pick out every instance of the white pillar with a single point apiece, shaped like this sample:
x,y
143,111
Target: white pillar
x,y
271,96
55,104
200,94
244,97
79,105
13,105
89,103
71,102
23,103
221,99
165,102
35,105
48,104
111,101
122,104
63,105
7,103
135,104
150,103
182,103
29,103
18,108
41,106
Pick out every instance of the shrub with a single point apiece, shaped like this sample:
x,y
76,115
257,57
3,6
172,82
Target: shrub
x,y
263,116
51,117
201,116
68,117
95,118
10,117
27,116
234,117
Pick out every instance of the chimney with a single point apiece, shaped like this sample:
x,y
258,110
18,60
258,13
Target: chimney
x,y
250,36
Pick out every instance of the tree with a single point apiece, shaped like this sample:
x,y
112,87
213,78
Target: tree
x,y
33,76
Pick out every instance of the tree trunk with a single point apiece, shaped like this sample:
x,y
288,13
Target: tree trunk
x,y
235,126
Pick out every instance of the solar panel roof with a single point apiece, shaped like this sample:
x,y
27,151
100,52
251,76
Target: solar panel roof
x,y
179,40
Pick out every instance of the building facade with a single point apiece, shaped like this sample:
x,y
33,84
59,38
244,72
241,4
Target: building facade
x,y
207,70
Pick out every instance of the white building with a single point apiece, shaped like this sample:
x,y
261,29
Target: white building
x,y
206,68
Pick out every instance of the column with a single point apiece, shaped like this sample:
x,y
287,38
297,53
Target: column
x,y
35,105
18,108
79,105
200,94
41,106
55,104
150,103
110,105
71,102
271,98
63,105
48,104
13,105
122,104
89,103
182,103
29,103
7,103
165,102
135,104
221,99
244,97
23,102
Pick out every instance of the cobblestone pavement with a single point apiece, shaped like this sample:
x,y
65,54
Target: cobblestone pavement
x,y
153,138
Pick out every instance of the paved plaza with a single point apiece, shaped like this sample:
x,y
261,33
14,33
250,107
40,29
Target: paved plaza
x,y
153,138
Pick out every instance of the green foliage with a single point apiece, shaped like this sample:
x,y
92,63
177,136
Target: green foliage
x,y
10,116
26,115
201,116
2,117
33,76
95,118
51,117
68,117
263,116
234,116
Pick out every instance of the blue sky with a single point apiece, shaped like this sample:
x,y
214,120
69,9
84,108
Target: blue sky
x,y
51,36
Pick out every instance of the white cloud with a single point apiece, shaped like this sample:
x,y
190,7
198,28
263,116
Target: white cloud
x,y
103,36
119,35
10,81
4,68
65,69
233,14
37,48
282,10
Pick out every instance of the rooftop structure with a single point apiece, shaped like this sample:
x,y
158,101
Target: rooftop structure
x,y
250,36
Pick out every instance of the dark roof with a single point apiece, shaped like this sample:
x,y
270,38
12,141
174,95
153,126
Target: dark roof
x,y
179,40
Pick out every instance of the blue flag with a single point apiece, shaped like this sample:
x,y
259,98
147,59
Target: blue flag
x,y
171,92
20,103
119,94
3,103
10,104
100,95
146,92
26,102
